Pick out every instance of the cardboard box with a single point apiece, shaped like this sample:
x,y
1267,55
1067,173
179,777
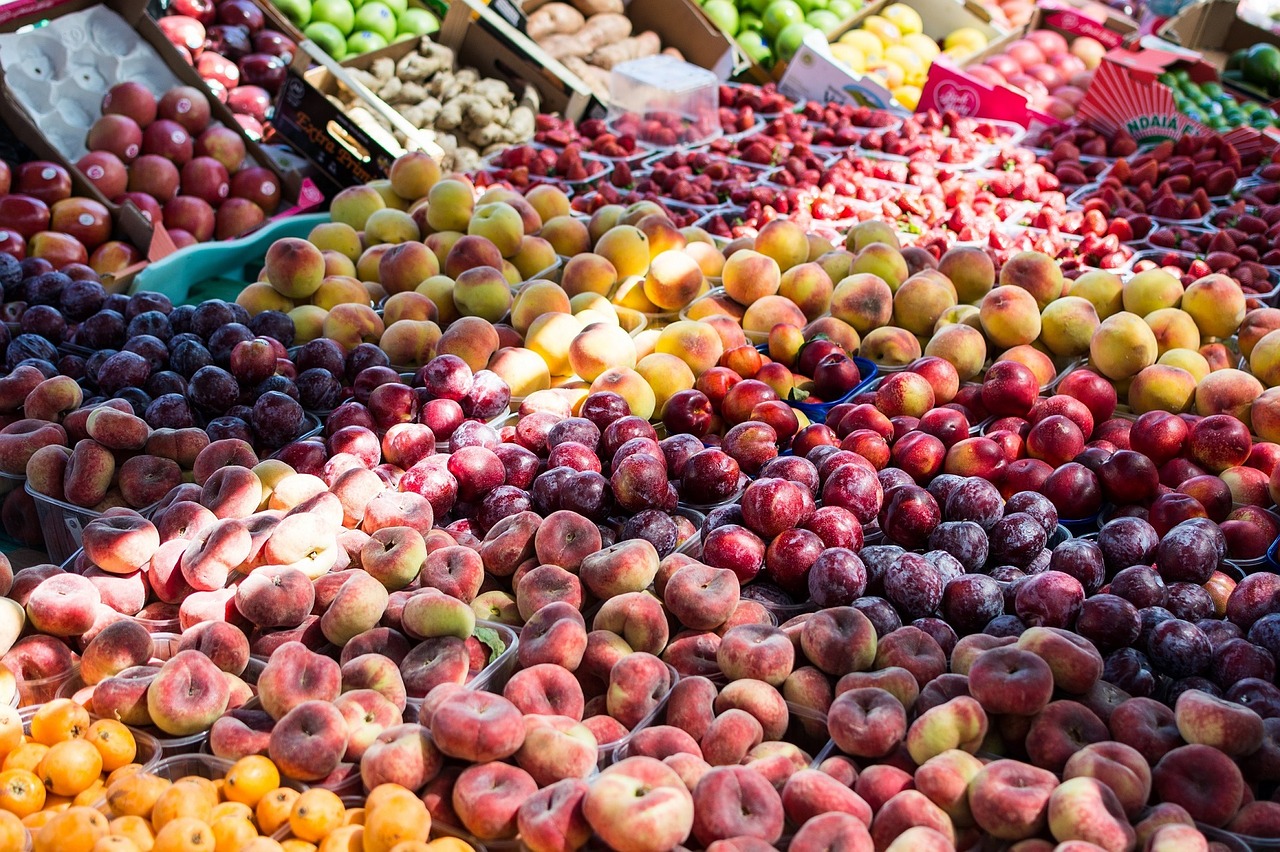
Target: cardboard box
x,y
152,240
950,87
482,40
338,148
1214,30
347,152
813,74
680,24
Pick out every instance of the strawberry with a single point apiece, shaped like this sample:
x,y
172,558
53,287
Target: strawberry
x,y
1220,260
1220,182
1222,242
1166,208
1123,145
1121,229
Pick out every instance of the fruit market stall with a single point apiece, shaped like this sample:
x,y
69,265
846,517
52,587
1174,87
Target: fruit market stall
x,y
587,425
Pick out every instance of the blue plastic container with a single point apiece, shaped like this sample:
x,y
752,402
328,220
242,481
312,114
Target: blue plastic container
x,y
817,411
219,270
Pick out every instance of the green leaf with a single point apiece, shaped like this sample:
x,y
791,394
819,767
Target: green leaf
x,y
492,640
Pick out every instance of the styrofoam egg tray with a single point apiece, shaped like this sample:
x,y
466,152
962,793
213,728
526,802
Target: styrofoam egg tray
x,y
59,72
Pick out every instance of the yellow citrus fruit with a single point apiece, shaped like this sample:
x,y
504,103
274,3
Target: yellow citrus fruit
x,y
890,72
906,18
913,67
884,29
60,719
965,37
315,813
908,96
21,792
850,56
114,742
924,47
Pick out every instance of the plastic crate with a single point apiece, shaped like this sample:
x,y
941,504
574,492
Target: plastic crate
x,y
62,524
148,750
219,270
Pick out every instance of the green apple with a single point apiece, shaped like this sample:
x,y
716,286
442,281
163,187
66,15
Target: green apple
x,y
331,39
748,21
753,45
418,22
823,19
397,7
363,41
377,17
779,15
844,9
297,11
812,5
756,6
789,39
340,13
723,14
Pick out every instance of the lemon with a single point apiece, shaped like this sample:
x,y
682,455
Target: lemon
x,y
884,29
965,37
866,42
907,19
925,47
908,96
850,56
913,67
892,73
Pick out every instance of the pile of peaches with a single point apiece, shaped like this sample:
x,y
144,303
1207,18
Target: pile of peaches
x,y
476,520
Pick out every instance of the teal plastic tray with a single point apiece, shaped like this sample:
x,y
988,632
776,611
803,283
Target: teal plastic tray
x,y
219,270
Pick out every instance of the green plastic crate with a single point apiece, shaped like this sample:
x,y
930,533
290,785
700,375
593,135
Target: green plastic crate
x,y
219,270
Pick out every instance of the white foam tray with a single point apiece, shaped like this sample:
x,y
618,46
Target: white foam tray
x,y
58,73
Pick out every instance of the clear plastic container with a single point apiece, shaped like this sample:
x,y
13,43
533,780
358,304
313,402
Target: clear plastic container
x,y
352,800
62,524
493,677
164,646
208,766
45,689
608,753
148,752
670,102
10,482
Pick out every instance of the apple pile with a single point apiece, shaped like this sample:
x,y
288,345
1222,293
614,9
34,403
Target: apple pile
x,y
1041,64
44,222
240,58
175,166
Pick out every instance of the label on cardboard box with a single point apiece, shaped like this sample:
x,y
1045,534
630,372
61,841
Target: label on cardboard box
x,y
306,119
814,74
1126,96
949,88
1071,21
